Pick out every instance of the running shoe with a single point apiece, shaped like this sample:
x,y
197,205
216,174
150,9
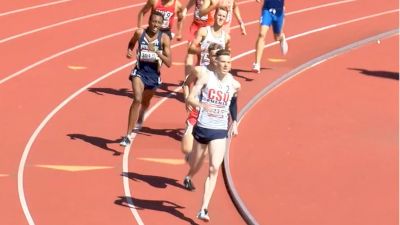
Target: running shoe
x,y
125,141
284,45
203,215
188,184
256,68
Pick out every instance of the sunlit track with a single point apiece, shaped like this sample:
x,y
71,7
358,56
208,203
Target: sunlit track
x,y
32,139
278,82
9,77
29,178
82,18
69,21
33,7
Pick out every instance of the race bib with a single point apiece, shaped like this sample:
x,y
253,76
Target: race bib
x,y
148,56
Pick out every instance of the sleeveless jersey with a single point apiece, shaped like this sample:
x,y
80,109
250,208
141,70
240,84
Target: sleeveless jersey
x,y
168,13
148,61
217,94
210,38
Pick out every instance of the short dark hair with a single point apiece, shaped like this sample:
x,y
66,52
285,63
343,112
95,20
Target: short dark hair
x,y
156,13
223,52
214,46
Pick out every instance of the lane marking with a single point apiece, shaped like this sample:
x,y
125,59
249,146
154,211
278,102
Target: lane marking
x,y
28,147
4,175
276,60
245,213
164,160
72,168
178,63
77,67
33,7
82,18
27,68
69,21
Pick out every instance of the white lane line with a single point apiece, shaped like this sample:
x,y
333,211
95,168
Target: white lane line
x,y
249,218
81,18
63,53
28,147
129,30
174,92
33,7
32,139
69,21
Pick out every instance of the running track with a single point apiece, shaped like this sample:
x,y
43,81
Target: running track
x,y
67,102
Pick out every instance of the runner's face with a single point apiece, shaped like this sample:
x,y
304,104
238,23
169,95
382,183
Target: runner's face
x,y
224,64
213,56
221,17
155,23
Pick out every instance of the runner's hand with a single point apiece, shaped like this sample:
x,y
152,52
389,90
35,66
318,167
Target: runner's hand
x,y
243,28
234,129
129,54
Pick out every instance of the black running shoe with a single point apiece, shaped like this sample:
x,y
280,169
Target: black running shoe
x,y
188,184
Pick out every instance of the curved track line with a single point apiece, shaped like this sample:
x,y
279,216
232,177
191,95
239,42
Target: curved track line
x,y
129,30
66,101
63,53
69,21
33,7
32,139
269,88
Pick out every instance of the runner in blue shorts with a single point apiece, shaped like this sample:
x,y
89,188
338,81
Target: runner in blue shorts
x,y
153,50
272,14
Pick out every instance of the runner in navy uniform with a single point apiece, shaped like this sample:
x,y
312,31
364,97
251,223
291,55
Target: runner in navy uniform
x,y
152,52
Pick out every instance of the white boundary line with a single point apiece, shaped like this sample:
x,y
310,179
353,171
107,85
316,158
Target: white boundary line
x,y
129,30
28,147
68,21
82,18
249,218
33,7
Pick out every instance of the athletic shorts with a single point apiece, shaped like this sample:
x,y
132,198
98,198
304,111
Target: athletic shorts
x,y
205,135
194,27
192,118
271,17
150,80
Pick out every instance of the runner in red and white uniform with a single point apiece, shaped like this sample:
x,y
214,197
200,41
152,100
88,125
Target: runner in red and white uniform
x,y
169,8
187,139
218,99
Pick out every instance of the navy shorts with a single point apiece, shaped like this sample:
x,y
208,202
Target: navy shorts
x,y
150,80
271,17
205,135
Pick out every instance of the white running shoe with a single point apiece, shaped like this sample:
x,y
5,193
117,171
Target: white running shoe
x,y
284,45
203,215
256,68
125,141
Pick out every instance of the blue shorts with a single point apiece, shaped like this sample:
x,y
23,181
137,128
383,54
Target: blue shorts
x,y
205,135
274,18
150,80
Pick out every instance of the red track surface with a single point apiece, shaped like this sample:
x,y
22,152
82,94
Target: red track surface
x,y
85,131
